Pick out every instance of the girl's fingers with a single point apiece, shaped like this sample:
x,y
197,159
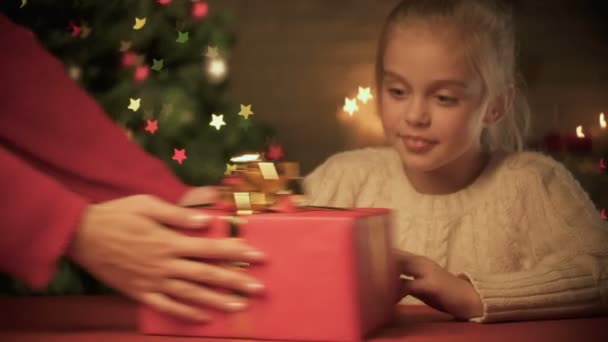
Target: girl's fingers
x,y
214,275
411,265
165,304
400,252
200,295
411,287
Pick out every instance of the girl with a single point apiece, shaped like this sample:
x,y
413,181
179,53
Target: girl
x,y
483,231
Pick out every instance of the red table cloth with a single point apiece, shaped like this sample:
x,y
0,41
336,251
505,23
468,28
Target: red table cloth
x,y
108,318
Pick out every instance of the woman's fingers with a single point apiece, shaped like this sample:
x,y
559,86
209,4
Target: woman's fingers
x,y
166,304
216,249
199,195
172,215
214,275
200,295
166,213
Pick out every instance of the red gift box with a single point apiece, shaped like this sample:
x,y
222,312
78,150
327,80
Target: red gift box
x,y
329,276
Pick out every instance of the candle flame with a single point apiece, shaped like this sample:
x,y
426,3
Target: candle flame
x,y
602,121
246,158
579,132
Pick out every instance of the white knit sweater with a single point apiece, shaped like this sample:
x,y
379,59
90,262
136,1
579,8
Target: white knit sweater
x,y
524,233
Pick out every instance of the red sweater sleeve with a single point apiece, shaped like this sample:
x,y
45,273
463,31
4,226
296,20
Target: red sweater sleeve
x,y
51,123
38,218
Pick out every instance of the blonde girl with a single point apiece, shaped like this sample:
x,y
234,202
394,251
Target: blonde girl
x,y
483,230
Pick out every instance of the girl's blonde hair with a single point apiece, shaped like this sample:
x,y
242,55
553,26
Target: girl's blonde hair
x,y
489,43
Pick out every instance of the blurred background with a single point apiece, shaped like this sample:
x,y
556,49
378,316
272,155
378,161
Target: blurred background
x,y
297,60
223,77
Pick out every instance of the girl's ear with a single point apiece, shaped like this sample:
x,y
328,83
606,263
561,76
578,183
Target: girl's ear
x,y
499,107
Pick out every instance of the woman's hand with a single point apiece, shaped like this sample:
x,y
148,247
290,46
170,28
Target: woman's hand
x,y
437,287
126,244
199,195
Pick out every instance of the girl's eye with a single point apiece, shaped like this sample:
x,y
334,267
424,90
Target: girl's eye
x,y
447,100
396,92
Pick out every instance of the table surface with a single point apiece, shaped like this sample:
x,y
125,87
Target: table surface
x,y
108,318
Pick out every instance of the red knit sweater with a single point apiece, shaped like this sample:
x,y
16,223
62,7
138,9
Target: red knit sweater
x,y
58,153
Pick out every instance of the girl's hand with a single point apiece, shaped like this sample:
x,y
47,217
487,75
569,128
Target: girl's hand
x,y
126,244
437,287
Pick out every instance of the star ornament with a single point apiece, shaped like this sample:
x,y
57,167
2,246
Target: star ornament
x,y
217,121
76,30
151,126
245,111
125,45
365,94
134,104
139,23
212,52
179,155
230,168
350,106
157,64
182,37
86,31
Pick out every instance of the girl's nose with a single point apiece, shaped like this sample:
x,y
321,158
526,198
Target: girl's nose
x,y
416,113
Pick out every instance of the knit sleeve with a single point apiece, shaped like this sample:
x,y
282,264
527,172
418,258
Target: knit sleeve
x,y
569,277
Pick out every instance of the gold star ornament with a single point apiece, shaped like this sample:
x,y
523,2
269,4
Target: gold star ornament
x,y
139,23
230,168
134,104
246,111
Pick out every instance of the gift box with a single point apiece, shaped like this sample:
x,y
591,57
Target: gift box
x,y
329,276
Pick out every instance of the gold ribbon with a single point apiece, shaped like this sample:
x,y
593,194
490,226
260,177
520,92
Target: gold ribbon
x,y
252,185
255,184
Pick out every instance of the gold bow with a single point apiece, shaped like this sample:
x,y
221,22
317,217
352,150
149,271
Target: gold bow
x,y
253,183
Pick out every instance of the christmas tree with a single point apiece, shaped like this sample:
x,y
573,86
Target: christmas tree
x,y
160,70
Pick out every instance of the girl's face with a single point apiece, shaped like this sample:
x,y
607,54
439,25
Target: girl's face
x,y
431,97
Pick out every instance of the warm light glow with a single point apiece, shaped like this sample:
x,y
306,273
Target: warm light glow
x,y
365,94
217,121
217,69
246,158
579,132
350,106
602,121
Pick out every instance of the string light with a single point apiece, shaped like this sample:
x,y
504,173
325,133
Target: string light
x,y
217,69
